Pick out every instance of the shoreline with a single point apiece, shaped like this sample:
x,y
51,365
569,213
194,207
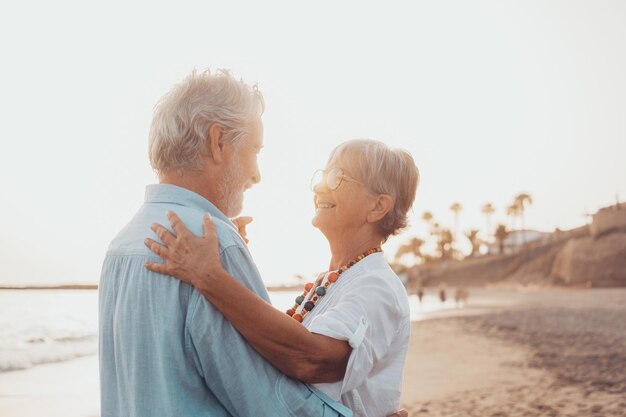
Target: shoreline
x,y
509,353
60,389
51,287
554,354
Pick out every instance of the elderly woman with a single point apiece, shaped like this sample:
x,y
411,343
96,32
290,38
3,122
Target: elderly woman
x,y
348,331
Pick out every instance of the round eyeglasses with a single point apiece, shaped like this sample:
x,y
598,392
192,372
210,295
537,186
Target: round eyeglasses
x,y
332,178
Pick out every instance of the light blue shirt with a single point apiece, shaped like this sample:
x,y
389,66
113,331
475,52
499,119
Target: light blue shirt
x,y
166,351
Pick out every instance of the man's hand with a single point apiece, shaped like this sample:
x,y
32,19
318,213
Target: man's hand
x,y
241,223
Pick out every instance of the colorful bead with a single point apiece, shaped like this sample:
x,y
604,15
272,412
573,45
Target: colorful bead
x,y
320,290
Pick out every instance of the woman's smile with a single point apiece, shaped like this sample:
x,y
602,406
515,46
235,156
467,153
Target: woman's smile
x,y
323,204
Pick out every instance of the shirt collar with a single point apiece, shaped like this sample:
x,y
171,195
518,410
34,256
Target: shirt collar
x,y
173,194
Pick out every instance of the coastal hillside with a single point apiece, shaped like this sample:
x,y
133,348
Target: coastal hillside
x,y
584,257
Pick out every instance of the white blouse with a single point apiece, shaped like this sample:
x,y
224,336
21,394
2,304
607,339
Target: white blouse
x,y
368,307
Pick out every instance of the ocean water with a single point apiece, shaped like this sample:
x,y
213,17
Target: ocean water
x,y
419,310
43,326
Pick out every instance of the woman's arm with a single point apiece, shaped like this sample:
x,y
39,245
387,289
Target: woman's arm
x,y
285,343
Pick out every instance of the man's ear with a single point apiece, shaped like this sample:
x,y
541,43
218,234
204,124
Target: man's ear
x,y
382,205
216,144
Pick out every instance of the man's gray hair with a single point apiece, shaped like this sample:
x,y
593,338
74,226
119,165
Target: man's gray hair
x,y
182,118
384,171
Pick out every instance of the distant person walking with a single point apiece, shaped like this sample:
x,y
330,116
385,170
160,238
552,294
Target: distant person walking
x,y
420,293
442,293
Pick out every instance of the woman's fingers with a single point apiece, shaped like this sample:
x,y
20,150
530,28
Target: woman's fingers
x,y
186,256
242,221
208,226
165,235
177,224
158,249
157,267
167,267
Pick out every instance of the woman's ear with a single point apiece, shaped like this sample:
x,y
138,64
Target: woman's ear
x,y
383,205
216,145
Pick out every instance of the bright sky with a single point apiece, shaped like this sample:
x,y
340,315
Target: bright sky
x,y
492,98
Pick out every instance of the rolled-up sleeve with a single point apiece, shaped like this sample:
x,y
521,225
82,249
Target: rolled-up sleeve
x,y
245,383
367,316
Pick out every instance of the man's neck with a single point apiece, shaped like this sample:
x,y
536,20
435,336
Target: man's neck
x,y
202,185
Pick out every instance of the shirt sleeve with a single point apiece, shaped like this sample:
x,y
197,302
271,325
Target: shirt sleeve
x,y
243,381
367,316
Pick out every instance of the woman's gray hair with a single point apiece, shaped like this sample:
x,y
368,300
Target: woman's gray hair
x,y
182,118
383,171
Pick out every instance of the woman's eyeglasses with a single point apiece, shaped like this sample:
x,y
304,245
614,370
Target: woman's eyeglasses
x,y
333,178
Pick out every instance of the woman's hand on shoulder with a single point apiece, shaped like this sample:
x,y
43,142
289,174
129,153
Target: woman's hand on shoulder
x,y
241,223
190,258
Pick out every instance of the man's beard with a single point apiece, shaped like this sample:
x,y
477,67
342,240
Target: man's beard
x,y
231,188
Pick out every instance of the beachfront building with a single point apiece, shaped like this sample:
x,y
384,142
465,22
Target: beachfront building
x,y
516,238
605,220
609,219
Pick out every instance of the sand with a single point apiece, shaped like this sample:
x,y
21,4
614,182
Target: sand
x,y
557,353
509,354
64,389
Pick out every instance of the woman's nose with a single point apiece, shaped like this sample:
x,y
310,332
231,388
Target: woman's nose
x,y
320,187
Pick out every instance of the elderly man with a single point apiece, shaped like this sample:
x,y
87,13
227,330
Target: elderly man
x,y
164,350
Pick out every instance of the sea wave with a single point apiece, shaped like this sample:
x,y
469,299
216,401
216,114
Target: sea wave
x,y
38,327
38,351
42,327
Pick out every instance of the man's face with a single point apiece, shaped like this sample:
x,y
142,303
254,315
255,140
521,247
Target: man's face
x,y
242,171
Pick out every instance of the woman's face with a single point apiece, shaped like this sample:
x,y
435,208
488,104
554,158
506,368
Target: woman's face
x,y
343,209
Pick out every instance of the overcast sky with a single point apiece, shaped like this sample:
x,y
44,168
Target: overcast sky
x,y
492,98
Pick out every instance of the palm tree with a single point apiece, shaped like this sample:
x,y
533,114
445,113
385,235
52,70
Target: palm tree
x,y
501,234
412,247
444,244
512,211
429,219
488,209
456,209
521,201
472,236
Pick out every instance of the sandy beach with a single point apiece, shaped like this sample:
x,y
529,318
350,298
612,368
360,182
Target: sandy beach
x,y
556,353
64,389
509,353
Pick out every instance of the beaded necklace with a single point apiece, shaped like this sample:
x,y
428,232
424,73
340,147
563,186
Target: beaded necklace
x,y
320,290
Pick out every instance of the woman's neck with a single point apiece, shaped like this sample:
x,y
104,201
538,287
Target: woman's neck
x,y
349,247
